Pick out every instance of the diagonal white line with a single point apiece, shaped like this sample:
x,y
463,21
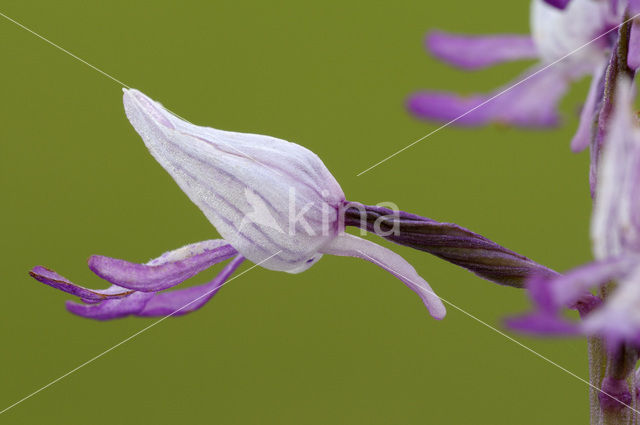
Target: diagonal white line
x,y
64,50
123,84
497,95
91,360
515,341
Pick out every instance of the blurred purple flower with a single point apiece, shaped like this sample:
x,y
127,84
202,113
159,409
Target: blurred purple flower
x,y
561,33
615,231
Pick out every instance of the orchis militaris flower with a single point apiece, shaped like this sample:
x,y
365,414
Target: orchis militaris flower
x,y
243,184
558,29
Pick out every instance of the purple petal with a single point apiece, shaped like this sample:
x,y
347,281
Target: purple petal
x,y
547,319
572,290
183,301
446,107
352,246
530,102
539,288
111,309
617,320
53,279
165,271
543,290
558,4
569,288
473,52
588,116
541,323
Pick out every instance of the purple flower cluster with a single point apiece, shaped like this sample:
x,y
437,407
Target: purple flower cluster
x,y
571,39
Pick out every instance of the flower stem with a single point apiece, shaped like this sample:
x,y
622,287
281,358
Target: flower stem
x,y
611,371
448,241
597,361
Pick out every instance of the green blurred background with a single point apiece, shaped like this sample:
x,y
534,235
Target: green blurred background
x,y
343,343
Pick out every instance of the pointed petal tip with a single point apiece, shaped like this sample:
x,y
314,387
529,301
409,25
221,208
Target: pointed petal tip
x,y
137,102
44,275
36,270
40,269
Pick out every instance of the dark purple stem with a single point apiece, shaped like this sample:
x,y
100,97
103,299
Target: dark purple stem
x,y
448,241
617,389
615,397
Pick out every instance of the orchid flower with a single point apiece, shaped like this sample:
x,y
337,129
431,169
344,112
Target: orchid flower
x,y
564,40
273,202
